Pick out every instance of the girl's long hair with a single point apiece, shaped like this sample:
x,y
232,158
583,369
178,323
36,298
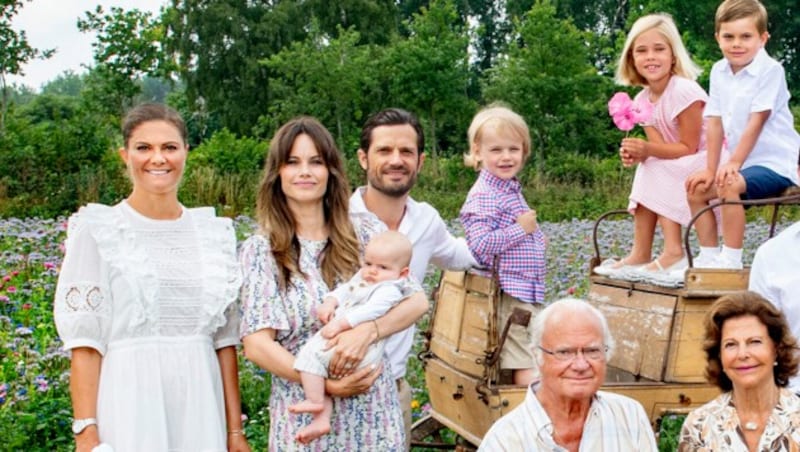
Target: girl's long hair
x,y
340,258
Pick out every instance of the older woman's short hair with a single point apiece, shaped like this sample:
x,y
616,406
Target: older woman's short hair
x,y
741,304
571,305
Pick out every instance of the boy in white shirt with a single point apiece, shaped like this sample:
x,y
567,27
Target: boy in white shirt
x,y
748,109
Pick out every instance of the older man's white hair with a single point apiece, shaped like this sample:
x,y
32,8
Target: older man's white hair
x,y
570,305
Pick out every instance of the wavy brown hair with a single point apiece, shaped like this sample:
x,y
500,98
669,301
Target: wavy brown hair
x,y
340,257
741,304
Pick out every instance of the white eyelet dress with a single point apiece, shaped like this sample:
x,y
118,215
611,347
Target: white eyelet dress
x,y
156,298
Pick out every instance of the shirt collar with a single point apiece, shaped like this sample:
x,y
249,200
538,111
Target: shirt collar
x,y
755,67
509,185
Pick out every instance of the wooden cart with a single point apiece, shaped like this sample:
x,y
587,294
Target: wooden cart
x,y
658,359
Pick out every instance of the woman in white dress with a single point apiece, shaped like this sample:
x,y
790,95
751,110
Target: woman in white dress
x,y
146,304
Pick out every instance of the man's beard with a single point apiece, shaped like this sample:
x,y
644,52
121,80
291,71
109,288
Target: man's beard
x,y
394,190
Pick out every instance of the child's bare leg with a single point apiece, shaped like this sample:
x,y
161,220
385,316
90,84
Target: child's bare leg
x,y
525,376
673,250
644,226
733,214
320,425
314,388
706,225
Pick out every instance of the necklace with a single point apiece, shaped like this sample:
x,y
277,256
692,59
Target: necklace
x,y
751,426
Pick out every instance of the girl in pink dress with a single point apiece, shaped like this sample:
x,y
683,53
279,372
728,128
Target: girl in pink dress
x,y
654,57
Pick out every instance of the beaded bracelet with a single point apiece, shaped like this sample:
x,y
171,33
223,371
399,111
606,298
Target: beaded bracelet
x,y
236,432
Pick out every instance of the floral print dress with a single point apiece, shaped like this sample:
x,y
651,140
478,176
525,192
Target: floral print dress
x,y
370,421
715,426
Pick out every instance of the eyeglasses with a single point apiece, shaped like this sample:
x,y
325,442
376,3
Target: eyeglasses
x,y
568,354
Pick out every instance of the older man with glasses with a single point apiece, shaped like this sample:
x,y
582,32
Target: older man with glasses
x,y
565,410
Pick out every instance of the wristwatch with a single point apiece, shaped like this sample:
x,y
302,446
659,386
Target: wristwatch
x,y
79,425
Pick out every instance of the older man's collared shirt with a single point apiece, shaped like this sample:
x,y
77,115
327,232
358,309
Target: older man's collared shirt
x,y
715,426
775,276
489,217
759,86
615,423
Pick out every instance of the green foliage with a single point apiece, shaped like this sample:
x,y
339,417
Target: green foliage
x,y
128,45
328,78
548,79
432,76
669,432
227,153
15,51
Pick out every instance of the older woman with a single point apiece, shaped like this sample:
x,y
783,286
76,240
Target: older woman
x,y
751,355
306,245
565,411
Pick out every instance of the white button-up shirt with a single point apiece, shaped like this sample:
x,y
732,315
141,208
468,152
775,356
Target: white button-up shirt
x,y
432,243
759,86
775,275
615,423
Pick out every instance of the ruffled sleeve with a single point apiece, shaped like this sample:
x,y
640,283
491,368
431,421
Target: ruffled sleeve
x,y
262,304
83,306
222,275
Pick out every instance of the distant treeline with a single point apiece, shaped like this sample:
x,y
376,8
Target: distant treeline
x,y
237,70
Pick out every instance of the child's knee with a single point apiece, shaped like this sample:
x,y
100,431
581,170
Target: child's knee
x,y
733,188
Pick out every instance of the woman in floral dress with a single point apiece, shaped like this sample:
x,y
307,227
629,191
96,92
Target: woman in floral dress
x,y
307,244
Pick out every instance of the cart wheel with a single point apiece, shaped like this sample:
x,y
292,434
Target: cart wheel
x,y
429,428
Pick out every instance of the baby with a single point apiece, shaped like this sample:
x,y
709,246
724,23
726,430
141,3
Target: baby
x,y
375,289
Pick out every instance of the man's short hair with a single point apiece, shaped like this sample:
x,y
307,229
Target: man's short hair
x,y
731,10
391,117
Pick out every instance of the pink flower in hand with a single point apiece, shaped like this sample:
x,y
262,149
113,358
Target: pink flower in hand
x,y
619,104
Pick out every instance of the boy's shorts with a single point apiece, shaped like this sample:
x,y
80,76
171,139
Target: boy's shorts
x,y
516,352
763,183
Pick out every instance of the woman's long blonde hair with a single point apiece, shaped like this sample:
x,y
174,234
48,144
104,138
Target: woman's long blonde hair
x,y
339,260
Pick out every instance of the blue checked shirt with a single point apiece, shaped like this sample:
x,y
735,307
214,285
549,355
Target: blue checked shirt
x,y
489,217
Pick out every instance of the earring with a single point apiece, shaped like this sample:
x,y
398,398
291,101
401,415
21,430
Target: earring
x,y
775,364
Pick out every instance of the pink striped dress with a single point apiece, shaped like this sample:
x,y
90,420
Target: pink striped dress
x,y
659,183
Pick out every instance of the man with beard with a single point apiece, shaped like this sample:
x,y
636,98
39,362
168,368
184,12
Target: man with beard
x,y
391,153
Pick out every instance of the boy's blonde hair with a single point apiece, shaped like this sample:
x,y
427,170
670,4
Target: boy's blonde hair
x,y
506,121
663,23
731,10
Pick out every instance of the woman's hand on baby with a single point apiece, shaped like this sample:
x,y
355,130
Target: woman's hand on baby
x,y
528,222
351,346
356,383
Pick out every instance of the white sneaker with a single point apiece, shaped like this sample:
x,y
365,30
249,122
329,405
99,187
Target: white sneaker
x,y
705,261
723,263
608,266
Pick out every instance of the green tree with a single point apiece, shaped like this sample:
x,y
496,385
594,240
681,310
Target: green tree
x,y
15,51
549,78
329,78
376,21
128,47
428,72
220,47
